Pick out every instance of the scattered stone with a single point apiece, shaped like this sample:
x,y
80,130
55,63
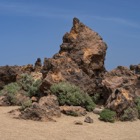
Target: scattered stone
x,y
73,110
97,110
78,123
15,113
4,101
88,120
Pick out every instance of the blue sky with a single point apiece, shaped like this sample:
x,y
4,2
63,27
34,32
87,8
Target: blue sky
x,y
34,28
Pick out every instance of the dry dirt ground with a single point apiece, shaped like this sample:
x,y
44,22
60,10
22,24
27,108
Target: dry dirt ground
x,y
65,129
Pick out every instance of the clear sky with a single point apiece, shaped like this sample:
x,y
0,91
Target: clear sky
x,y
34,28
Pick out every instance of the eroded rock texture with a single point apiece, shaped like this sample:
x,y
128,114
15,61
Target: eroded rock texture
x,y
80,60
45,110
122,87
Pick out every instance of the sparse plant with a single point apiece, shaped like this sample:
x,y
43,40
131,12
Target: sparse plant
x,y
108,115
96,97
26,104
130,114
69,94
137,101
29,85
11,90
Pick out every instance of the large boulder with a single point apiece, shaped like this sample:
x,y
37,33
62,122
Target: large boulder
x,y
45,110
121,88
80,60
7,75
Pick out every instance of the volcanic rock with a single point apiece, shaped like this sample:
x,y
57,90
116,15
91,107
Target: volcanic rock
x,y
121,88
45,110
38,65
7,75
135,68
88,120
80,60
73,110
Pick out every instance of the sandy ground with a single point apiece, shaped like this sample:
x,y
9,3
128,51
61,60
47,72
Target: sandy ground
x,y
65,129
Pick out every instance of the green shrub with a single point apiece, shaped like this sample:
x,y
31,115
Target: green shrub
x,y
130,114
137,101
96,97
107,115
69,94
29,85
26,104
71,113
11,90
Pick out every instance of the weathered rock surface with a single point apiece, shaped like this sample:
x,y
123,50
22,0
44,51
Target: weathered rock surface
x,y
80,60
88,119
73,110
135,68
4,101
121,87
45,110
7,75
38,65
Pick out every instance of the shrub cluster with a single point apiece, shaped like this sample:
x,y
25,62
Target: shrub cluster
x,y
69,94
130,114
19,93
137,101
10,91
29,85
108,115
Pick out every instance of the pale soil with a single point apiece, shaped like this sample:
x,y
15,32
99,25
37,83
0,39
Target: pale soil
x,y
65,129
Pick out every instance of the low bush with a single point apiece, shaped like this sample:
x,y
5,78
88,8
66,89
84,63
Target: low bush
x,y
29,85
130,114
107,115
96,97
69,94
137,101
10,91
26,104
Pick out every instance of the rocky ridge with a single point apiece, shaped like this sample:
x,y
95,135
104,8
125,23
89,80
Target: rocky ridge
x,y
80,61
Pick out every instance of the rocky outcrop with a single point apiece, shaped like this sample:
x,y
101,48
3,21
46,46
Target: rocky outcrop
x,y
135,68
80,60
38,65
73,110
7,75
121,88
45,110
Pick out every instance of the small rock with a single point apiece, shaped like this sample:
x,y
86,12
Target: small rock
x,y
78,123
4,101
73,110
34,99
97,110
88,120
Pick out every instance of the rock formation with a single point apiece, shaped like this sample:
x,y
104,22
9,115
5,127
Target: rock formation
x,y
122,87
45,110
80,60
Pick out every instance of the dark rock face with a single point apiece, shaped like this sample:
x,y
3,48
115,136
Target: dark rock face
x,y
121,88
7,75
80,60
38,65
45,110
135,68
